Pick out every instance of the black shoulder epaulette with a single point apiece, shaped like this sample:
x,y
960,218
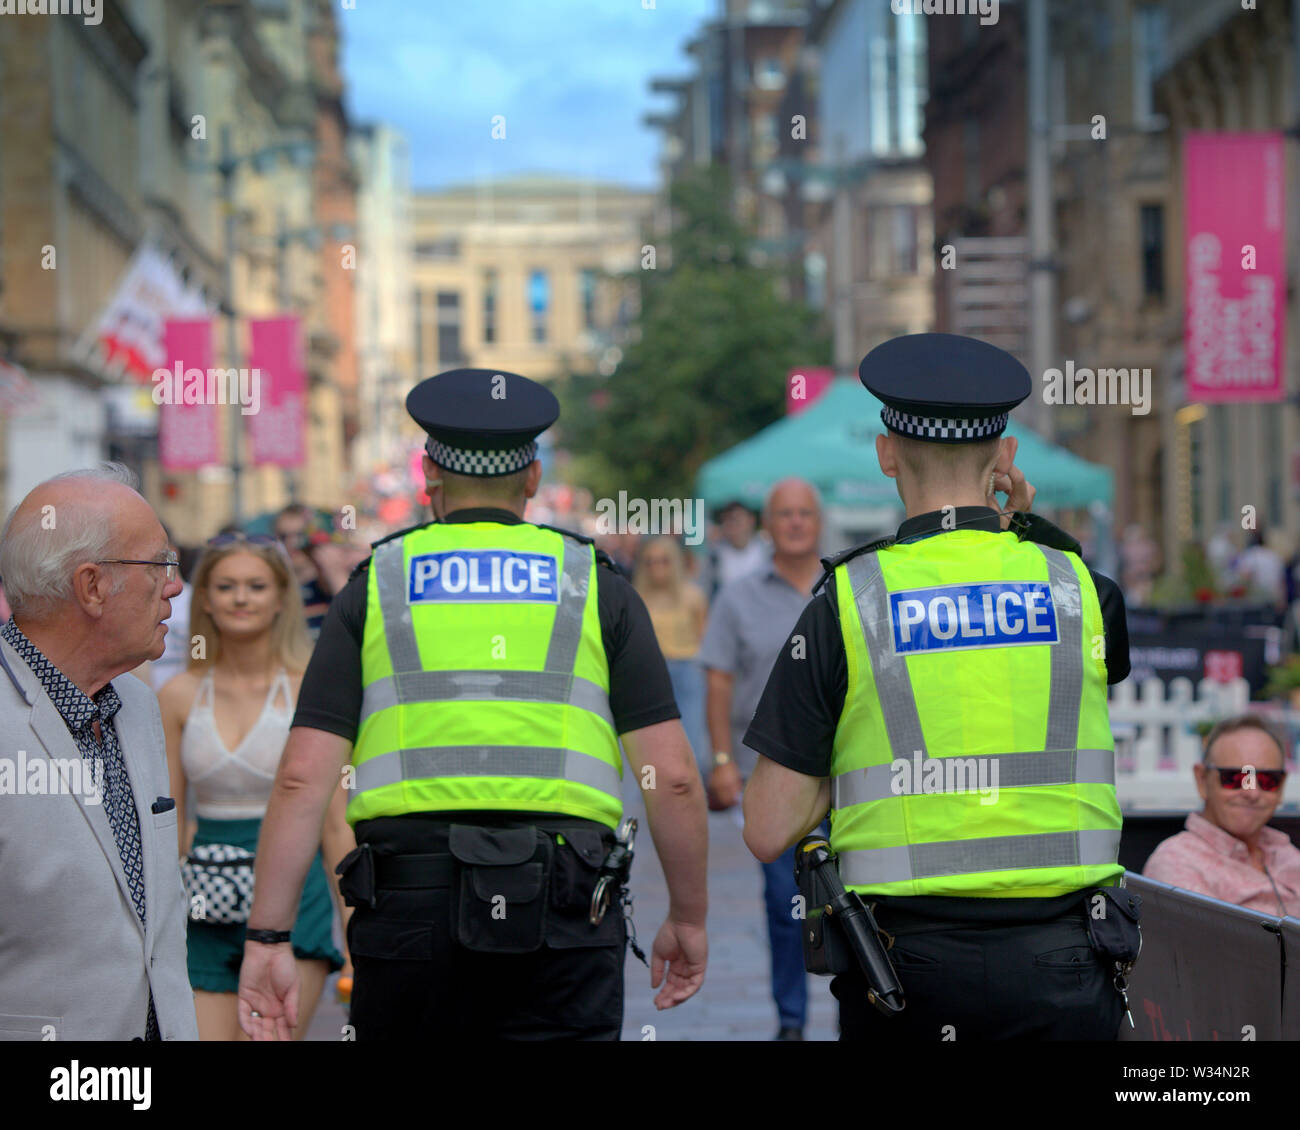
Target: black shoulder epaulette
x,y
567,533
1036,528
361,566
603,558
830,564
400,533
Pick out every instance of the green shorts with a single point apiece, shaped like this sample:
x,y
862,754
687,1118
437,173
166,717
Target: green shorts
x,y
215,950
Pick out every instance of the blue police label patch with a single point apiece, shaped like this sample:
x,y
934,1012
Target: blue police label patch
x,y
957,617
487,576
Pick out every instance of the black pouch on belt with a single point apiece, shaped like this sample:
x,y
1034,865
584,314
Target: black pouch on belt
x,y
825,948
503,875
577,867
1114,923
356,872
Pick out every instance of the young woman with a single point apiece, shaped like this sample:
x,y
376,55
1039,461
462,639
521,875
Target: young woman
x,y
226,720
678,610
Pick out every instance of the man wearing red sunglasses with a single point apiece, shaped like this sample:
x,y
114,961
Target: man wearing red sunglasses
x,y
1227,851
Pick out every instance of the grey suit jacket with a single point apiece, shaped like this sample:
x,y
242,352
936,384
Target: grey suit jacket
x,y
75,963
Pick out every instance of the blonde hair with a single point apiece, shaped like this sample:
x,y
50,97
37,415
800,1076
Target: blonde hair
x,y
289,639
677,557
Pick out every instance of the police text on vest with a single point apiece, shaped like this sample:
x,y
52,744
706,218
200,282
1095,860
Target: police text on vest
x,y
958,617
482,576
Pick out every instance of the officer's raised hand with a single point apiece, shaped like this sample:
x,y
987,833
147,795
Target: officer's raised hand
x,y
1010,481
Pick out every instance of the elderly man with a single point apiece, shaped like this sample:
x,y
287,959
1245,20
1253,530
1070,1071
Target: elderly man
x,y
92,912
1227,850
748,626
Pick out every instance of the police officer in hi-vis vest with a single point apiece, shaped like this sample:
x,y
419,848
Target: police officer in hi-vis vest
x,y
479,673
943,696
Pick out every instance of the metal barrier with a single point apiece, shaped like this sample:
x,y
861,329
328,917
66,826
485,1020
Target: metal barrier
x,y
1210,970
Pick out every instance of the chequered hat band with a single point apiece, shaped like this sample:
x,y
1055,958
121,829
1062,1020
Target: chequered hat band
x,y
940,428
482,463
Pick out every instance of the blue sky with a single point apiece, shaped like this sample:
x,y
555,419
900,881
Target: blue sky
x,y
570,76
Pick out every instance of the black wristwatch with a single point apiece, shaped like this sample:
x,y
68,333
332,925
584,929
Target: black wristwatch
x,y
267,937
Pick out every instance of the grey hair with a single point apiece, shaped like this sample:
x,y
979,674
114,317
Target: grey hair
x,y
37,563
776,486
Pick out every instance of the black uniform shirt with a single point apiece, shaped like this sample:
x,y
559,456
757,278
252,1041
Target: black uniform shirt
x,y
640,693
800,709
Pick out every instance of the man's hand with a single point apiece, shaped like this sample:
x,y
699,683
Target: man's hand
x,y
725,786
268,985
1020,493
685,950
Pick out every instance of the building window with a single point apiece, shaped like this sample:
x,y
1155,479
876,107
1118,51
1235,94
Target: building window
x,y
893,249
438,250
539,301
587,294
489,307
1152,223
417,304
1150,55
814,271
448,328
768,73
970,144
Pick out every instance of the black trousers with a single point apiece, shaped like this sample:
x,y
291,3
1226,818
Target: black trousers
x,y
987,969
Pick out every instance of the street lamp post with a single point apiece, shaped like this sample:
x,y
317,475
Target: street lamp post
x,y
226,168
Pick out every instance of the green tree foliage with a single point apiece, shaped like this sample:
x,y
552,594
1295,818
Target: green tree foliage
x,y
709,368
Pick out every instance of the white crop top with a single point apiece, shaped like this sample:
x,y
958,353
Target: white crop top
x,y
235,784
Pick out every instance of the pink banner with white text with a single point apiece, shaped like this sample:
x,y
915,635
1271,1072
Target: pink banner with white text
x,y
188,432
1235,193
277,429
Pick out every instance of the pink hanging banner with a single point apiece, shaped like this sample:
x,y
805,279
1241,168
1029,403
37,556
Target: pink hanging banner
x,y
188,434
1235,193
277,429
803,386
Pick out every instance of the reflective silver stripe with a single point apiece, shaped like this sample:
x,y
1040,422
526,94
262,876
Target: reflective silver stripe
x,y
566,632
399,631
898,704
1014,770
893,684
1088,848
1067,654
488,761
485,686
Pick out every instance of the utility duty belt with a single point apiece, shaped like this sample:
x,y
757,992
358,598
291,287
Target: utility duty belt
x,y
841,931
512,888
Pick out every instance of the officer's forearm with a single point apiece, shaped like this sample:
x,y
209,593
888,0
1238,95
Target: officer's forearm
x,y
679,825
675,810
291,829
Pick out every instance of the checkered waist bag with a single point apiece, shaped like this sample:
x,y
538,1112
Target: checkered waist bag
x,y
219,882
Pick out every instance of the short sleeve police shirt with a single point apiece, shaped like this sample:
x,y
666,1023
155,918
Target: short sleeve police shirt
x,y
797,715
640,691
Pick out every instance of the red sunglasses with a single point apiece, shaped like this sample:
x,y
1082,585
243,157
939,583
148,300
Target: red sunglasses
x,y
1270,780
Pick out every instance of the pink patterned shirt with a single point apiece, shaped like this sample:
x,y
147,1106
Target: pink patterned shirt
x,y
1210,861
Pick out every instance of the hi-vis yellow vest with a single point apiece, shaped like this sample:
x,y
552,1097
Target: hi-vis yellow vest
x,y
974,755
486,681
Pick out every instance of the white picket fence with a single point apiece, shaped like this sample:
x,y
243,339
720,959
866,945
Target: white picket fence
x,y
1156,737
